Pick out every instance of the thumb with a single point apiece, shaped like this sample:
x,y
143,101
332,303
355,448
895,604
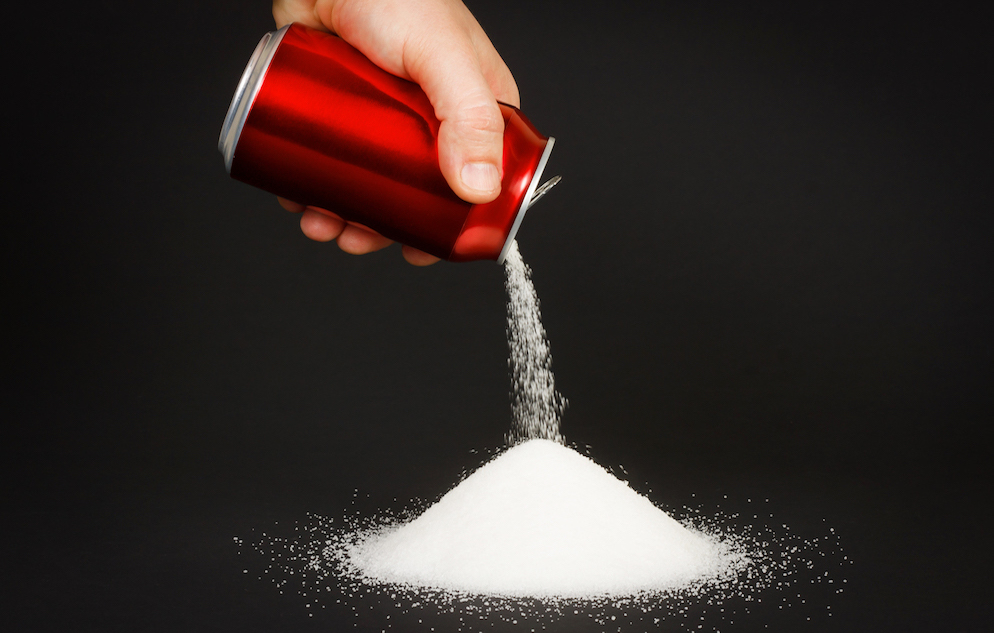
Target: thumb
x,y
471,135
470,148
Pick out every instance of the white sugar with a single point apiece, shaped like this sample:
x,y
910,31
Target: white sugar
x,y
541,520
536,406
543,525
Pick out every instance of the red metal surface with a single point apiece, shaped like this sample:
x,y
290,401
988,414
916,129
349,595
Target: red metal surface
x,y
330,129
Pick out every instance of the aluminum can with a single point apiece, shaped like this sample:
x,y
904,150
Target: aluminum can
x,y
316,122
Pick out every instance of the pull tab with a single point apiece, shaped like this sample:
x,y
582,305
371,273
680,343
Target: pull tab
x,y
544,189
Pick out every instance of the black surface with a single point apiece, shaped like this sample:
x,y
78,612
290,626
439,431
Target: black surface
x,y
765,273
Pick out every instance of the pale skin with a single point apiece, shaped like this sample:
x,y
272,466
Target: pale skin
x,y
439,45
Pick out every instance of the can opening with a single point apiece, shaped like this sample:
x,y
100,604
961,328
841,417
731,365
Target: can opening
x,y
530,198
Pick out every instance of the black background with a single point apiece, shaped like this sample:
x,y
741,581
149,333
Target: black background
x,y
765,273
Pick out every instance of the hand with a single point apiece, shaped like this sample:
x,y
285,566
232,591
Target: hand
x,y
439,45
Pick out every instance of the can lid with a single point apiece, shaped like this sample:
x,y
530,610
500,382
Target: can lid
x,y
526,202
248,88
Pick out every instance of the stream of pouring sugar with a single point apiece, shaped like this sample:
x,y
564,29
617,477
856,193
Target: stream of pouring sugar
x,y
536,406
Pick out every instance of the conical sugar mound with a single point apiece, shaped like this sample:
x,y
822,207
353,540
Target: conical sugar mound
x,y
540,520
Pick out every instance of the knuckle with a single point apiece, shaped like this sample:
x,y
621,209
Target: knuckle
x,y
481,117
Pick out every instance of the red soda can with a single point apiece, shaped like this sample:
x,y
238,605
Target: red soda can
x,y
316,122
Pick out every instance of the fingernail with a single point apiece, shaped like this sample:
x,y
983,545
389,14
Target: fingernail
x,y
482,177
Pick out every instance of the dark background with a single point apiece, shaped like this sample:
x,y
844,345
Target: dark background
x,y
765,273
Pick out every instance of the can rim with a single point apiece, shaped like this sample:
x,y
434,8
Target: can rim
x,y
526,202
246,92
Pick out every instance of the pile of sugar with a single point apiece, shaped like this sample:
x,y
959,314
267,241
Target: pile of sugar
x,y
767,575
542,520
536,406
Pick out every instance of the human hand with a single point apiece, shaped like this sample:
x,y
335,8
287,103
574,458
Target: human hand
x,y
439,45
